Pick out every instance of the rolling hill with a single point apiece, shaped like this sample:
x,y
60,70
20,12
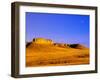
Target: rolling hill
x,y
44,52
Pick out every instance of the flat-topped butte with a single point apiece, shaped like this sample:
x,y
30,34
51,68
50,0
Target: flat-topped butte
x,y
42,41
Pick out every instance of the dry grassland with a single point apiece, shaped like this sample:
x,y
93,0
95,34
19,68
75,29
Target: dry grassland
x,y
51,55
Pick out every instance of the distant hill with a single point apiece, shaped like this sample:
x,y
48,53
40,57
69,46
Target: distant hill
x,y
51,42
77,46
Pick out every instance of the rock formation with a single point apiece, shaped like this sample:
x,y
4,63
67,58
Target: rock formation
x,y
61,45
50,42
42,41
28,43
77,46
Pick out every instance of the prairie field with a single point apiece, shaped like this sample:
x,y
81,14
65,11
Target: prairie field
x,y
52,55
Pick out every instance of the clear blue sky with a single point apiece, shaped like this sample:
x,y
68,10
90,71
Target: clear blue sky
x,y
61,28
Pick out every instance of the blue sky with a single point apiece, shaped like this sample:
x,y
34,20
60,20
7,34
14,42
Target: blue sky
x,y
61,28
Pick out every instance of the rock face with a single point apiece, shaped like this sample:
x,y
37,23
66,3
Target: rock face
x,y
42,41
77,46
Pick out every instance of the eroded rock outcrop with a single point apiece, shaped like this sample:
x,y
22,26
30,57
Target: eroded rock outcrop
x,y
42,41
61,45
77,46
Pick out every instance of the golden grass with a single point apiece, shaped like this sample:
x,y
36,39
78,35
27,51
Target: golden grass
x,y
51,55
